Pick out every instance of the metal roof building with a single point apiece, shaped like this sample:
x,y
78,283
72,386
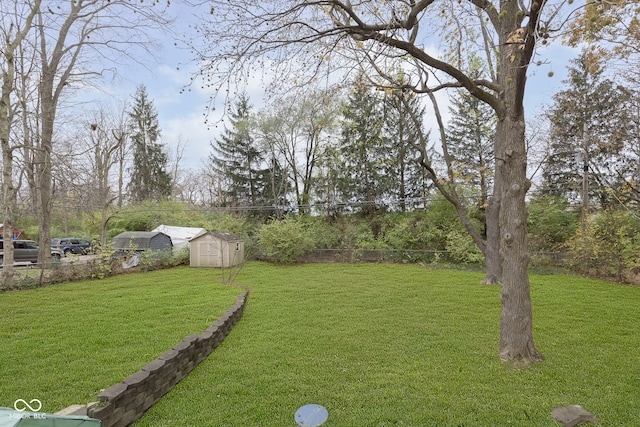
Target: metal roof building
x,y
141,241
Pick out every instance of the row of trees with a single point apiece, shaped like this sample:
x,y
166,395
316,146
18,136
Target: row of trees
x,y
291,157
361,154
319,153
50,52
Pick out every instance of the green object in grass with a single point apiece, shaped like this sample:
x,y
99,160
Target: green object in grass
x,y
13,418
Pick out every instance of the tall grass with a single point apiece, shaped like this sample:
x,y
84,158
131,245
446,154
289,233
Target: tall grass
x,y
382,345
62,344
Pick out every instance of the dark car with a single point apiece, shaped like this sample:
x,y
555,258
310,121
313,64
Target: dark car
x,y
72,245
27,251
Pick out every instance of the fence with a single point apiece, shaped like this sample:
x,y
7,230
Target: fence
x,y
375,255
411,256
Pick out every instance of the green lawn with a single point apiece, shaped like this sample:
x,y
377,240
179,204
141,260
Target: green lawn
x,y
377,345
62,344
382,345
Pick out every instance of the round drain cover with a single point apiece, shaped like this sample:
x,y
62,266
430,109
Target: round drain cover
x,y
311,415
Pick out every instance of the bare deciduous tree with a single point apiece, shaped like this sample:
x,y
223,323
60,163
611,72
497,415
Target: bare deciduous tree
x,y
74,41
294,128
16,24
107,134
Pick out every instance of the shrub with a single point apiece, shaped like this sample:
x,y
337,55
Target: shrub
x,y
415,231
462,249
607,247
286,241
240,226
551,224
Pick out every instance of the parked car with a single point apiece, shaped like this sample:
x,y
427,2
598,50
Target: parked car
x,y
27,251
72,245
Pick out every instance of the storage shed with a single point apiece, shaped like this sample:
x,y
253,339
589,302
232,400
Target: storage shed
x,y
141,241
214,249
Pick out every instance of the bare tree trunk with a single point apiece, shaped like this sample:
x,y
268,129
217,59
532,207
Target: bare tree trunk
x,y
493,261
8,191
515,52
42,158
6,116
492,256
121,167
8,200
490,244
516,318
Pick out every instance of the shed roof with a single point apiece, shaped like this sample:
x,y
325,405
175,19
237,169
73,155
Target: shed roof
x,y
227,237
180,236
139,238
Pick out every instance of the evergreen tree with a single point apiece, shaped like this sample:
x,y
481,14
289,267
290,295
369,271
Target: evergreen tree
x,y
470,138
363,152
589,128
149,177
402,135
241,164
327,190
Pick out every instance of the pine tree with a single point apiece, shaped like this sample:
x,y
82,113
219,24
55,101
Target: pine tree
x,y
149,177
364,155
236,158
470,139
402,111
589,127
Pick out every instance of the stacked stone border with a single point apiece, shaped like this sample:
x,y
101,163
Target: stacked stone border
x,y
125,402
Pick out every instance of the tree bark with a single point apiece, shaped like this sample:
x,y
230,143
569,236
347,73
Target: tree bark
x,y
491,252
516,318
492,255
8,191
490,244
8,196
43,165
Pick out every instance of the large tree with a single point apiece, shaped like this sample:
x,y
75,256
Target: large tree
x,y
16,25
107,132
296,128
363,152
589,132
324,35
470,136
239,162
402,135
150,179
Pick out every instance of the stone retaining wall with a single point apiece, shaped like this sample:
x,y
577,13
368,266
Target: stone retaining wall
x,y
123,403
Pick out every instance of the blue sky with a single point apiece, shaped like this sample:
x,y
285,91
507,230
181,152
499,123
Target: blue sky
x,y
181,116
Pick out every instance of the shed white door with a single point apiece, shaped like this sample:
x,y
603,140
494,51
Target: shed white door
x,y
209,254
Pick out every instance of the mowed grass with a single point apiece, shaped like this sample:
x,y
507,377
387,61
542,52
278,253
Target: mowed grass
x,y
62,344
401,345
377,345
